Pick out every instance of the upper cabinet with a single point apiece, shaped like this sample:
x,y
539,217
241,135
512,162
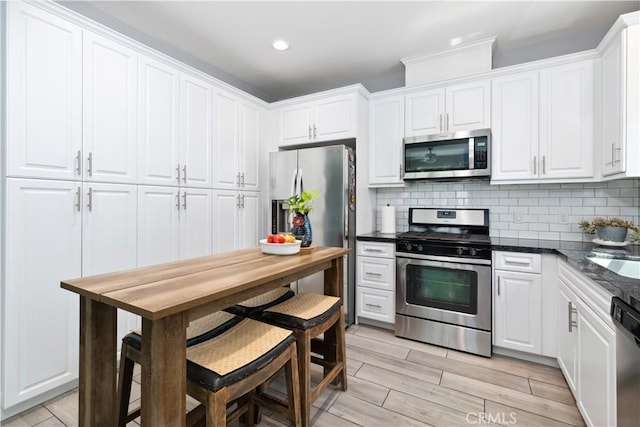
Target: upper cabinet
x,y
620,95
542,124
451,109
44,68
235,147
158,149
327,119
386,129
110,102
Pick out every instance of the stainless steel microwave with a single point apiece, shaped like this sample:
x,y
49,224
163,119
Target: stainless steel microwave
x,y
465,154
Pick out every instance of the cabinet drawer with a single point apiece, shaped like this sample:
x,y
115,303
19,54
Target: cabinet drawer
x,y
376,273
376,304
518,261
377,249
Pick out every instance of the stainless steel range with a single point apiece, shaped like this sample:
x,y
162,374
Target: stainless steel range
x,y
443,279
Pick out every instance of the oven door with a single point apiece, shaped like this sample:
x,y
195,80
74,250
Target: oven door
x,y
454,292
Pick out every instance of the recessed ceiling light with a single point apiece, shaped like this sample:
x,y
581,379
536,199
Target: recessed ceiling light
x,y
280,45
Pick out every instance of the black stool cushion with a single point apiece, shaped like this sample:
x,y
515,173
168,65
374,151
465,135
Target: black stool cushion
x,y
245,310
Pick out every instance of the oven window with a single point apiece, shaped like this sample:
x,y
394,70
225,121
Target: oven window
x,y
437,156
447,289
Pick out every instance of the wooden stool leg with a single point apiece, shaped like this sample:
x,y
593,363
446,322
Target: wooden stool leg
x,y
303,340
217,408
341,355
293,386
125,378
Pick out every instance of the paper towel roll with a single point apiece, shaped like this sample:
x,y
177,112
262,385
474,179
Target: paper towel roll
x,y
388,219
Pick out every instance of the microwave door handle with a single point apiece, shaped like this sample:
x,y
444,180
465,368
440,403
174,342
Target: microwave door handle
x,y
472,149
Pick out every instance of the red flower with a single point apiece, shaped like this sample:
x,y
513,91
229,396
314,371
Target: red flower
x,y
298,221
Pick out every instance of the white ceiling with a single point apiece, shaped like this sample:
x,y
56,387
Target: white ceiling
x,y
334,44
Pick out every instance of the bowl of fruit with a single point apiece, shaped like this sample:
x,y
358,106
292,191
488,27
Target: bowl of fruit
x,y
280,244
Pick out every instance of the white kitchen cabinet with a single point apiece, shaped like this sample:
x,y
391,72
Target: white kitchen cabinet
x,y
375,281
196,225
566,121
328,119
236,143
620,106
542,124
44,94
453,108
196,132
42,247
235,219
587,346
158,137
110,103
518,301
386,130
109,235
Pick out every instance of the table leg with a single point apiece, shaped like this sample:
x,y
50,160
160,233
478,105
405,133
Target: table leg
x,y
164,371
334,278
97,383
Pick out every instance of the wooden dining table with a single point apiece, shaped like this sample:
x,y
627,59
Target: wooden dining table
x,y
167,297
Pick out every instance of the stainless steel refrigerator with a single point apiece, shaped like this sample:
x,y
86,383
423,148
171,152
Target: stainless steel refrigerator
x,y
331,172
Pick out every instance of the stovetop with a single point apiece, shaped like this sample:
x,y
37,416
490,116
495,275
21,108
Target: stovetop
x,y
430,236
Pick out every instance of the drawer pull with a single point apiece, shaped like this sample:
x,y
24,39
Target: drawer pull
x,y
516,261
373,274
372,250
373,305
572,324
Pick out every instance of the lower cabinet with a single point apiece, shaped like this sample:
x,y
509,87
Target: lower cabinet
x,y
376,282
586,350
235,220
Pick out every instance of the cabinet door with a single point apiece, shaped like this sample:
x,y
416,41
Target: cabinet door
x,y
109,235
334,118
566,121
296,124
518,311
386,129
248,164
225,143
158,149
226,205
613,146
424,113
468,106
596,378
375,304
44,94
567,335
43,247
196,237
196,133
514,118
109,120
158,225
249,231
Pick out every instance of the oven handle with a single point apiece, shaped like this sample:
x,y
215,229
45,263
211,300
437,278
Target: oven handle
x,y
473,261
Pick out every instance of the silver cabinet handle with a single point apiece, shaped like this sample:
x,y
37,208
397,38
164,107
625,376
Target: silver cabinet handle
x,y
78,199
368,273
372,250
242,184
238,201
400,171
184,200
544,165
90,201
242,201
178,173
90,164
314,131
571,310
498,285
238,179
309,131
535,165
184,173
178,200
441,130
79,163
447,121
613,150
373,305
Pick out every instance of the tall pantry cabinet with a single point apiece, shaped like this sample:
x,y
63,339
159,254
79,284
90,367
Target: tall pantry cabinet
x,y
109,166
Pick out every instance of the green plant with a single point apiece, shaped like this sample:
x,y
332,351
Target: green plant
x,y
592,227
302,203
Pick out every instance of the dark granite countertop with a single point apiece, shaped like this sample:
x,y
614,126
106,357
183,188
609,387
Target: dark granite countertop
x,y
573,252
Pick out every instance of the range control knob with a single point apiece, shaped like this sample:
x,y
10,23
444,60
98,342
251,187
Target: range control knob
x,y
460,251
472,252
408,246
419,248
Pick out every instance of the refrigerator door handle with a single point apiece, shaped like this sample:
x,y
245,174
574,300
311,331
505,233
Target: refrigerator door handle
x,y
294,182
299,182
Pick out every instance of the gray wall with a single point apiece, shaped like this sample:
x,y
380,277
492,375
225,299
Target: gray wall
x,y
540,205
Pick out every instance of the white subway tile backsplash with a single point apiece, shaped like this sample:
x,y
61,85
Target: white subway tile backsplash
x,y
540,205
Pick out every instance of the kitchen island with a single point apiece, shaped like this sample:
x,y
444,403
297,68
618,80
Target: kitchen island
x,y
168,297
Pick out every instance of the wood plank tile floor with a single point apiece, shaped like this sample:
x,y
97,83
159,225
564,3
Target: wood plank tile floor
x,y
397,382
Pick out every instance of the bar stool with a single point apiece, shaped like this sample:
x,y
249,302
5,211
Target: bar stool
x,y
255,305
309,315
236,363
198,331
